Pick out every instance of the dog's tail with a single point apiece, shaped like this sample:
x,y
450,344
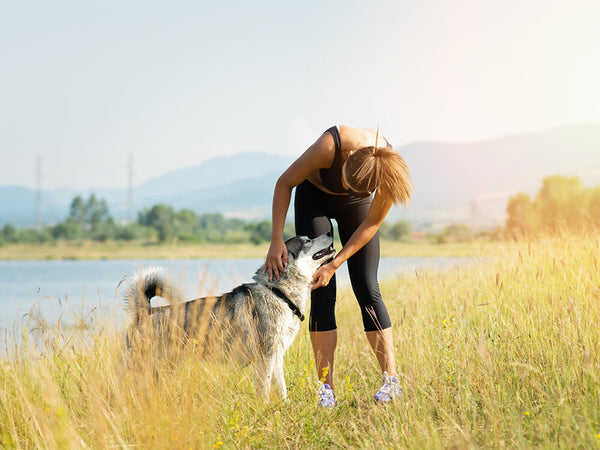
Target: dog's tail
x,y
142,286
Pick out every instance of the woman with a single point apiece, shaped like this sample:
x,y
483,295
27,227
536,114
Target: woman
x,y
346,175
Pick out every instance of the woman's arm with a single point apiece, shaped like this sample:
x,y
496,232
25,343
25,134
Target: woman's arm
x,y
318,155
364,233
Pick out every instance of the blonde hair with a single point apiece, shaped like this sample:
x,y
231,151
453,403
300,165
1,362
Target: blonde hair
x,y
372,167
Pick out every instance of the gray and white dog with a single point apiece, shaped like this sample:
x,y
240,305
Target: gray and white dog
x,y
254,323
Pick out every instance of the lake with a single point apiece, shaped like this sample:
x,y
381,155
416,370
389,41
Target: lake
x,y
68,289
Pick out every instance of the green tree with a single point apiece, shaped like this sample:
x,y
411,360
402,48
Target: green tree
x,y
88,216
34,236
455,233
289,230
260,232
160,217
132,231
96,212
78,210
70,229
396,231
104,230
10,233
399,230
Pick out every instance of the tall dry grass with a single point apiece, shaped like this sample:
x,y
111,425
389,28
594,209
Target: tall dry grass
x,y
500,353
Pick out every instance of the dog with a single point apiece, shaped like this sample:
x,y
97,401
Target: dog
x,y
254,323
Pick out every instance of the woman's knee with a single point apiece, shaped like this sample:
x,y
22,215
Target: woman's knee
x,y
322,308
375,317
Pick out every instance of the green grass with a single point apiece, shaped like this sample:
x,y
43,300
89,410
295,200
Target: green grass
x,y
499,354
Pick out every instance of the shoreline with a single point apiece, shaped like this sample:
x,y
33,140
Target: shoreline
x,y
90,250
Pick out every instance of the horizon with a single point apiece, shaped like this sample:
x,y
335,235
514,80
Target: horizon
x,y
174,85
93,189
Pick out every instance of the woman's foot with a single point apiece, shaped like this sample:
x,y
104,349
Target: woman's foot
x,y
326,397
389,391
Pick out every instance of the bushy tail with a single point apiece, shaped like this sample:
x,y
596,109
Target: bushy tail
x,y
142,286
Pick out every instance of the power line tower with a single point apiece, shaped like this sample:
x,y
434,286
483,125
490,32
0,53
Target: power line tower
x,y
38,191
130,188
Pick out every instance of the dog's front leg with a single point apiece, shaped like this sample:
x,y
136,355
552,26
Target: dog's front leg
x,y
264,375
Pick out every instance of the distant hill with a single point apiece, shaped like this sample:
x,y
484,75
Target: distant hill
x,y
239,185
455,182
472,182
213,173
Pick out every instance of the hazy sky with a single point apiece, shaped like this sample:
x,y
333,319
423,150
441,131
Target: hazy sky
x,y
85,84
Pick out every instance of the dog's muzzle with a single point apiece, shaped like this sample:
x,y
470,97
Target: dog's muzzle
x,y
324,254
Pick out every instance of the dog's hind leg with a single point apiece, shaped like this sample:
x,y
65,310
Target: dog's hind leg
x,y
278,377
265,367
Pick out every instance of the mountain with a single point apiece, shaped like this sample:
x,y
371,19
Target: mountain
x,y
18,205
216,172
454,182
239,185
472,182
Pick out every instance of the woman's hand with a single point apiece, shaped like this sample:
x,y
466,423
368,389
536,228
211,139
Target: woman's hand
x,y
323,275
277,259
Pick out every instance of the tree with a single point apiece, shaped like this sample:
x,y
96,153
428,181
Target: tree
x,y
159,217
78,211
96,212
260,232
561,202
70,229
9,233
399,230
455,233
521,215
90,214
593,199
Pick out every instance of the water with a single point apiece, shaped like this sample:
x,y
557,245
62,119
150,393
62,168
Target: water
x,y
66,290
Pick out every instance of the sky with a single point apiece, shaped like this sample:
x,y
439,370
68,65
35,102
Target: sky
x,y
84,85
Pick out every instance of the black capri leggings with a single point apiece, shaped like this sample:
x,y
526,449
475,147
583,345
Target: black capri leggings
x,y
314,210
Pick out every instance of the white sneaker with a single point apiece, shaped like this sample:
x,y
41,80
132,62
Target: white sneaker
x,y
389,391
326,397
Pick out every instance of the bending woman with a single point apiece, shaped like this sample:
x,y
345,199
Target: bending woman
x,y
349,176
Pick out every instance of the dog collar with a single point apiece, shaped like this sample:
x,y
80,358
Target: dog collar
x,y
290,303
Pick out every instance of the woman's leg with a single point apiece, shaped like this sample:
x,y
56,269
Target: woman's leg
x,y
311,220
324,344
362,268
383,345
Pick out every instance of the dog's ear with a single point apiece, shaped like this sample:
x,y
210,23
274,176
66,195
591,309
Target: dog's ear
x,y
294,245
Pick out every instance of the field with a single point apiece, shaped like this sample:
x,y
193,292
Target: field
x,y
504,352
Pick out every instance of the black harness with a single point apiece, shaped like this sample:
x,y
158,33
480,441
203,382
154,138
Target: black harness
x,y
290,303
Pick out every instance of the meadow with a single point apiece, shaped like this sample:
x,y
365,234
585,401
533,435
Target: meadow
x,y
500,353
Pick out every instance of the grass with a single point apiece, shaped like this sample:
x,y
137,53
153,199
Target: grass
x,y
505,353
185,250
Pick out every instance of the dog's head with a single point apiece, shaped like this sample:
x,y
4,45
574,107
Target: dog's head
x,y
307,255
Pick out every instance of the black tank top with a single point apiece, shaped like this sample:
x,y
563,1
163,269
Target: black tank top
x,y
331,178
